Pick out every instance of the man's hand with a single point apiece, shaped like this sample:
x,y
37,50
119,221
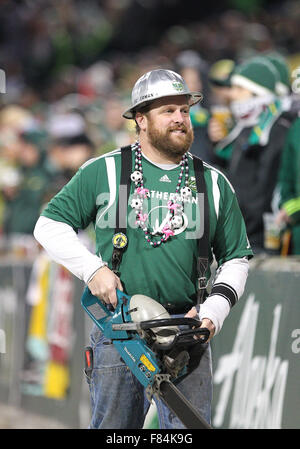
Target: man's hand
x,y
206,322
104,285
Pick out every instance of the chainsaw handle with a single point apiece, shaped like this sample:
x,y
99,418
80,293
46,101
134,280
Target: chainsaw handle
x,y
181,335
191,332
180,338
165,322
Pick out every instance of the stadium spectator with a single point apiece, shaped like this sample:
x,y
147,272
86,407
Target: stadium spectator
x,y
23,202
251,151
65,156
289,187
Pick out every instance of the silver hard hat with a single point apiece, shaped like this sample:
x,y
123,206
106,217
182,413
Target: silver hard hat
x,y
157,84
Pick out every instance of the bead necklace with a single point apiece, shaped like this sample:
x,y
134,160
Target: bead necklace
x,y
175,208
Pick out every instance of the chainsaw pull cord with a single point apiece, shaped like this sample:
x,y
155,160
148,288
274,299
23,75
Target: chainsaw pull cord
x,y
121,219
120,241
202,242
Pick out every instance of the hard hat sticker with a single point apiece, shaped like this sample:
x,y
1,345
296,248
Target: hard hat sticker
x,y
178,86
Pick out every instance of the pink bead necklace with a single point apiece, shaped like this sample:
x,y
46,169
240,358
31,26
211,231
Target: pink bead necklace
x,y
175,207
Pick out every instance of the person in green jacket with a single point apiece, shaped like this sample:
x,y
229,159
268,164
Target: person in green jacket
x,y
22,209
250,153
289,186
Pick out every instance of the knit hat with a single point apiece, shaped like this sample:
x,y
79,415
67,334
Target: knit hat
x,y
258,75
35,136
283,85
220,73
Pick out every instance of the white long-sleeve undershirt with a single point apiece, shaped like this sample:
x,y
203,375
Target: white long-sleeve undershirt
x,y
64,247
234,274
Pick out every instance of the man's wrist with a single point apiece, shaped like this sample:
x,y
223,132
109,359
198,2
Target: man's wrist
x,y
211,323
102,264
207,322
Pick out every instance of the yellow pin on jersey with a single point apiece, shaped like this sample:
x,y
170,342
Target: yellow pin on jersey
x,y
119,240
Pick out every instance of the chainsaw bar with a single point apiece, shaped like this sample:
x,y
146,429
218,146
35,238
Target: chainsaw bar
x,y
181,407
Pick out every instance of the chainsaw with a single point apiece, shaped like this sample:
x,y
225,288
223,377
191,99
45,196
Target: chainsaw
x,y
155,349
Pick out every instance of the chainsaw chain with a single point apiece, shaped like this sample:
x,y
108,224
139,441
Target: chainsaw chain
x,y
154,388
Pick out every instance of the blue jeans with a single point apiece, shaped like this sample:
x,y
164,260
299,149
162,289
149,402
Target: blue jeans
x,y
118,399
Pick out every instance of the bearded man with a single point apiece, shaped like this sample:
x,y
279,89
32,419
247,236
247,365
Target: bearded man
x,y
164,223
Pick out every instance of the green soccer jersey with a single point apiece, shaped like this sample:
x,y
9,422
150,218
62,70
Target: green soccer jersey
x,y
168,272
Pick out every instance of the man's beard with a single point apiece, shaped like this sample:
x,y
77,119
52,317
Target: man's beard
x,y
168,146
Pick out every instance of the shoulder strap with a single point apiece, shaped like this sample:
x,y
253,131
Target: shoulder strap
x,y
124,189
122,204
203,241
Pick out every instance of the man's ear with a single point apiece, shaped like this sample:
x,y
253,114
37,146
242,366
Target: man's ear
x,y
141,120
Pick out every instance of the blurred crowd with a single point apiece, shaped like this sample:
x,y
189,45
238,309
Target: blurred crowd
x,y
70,67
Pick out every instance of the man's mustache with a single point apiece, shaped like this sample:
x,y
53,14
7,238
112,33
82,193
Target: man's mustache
x,y
178,128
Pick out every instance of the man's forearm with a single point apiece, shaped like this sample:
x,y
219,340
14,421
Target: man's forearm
x,y
228,287
64,247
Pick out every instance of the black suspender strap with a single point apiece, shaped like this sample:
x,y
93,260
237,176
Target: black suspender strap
x,y
120,240
203,239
